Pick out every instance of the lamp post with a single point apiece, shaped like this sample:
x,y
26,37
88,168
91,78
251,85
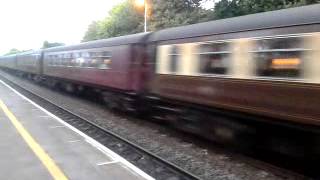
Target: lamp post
x,y
145,16
144,4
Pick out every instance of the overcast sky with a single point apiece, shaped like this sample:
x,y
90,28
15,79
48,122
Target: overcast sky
x,y
25,24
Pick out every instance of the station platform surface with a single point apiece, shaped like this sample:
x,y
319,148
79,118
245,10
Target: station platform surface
x,y
35,144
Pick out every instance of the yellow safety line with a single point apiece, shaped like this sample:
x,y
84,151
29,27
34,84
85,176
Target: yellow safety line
x,y
46,160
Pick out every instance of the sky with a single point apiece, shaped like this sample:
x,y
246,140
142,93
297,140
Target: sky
x,y
25,24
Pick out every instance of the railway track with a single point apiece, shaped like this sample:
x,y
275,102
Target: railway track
x,y
150,163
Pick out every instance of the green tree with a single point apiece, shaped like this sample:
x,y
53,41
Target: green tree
x,y
15,51
92,32
126,18
176,13
123,19
232,8
47,44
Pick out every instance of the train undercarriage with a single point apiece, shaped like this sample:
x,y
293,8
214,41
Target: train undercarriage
x,y
233,129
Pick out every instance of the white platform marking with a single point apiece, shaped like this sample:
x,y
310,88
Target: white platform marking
x,y
44,116
106,163
74,141
88,139
54,127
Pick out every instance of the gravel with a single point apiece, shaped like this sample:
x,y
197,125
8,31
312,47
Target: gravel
x,y
207,162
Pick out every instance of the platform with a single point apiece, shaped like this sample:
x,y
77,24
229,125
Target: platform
x,y
37,145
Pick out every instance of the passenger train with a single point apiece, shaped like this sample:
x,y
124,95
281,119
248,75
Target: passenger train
x,y
264,64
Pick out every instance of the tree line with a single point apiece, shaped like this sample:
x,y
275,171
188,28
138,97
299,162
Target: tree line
x,y
45,45
127,18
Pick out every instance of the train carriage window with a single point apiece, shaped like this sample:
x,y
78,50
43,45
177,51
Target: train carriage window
x,y
101,60
173,58
77,60
67,58
70,59
86,59
105,63
77,55
51,60
48,60
58,61
106,54
65,61
279,58
85,55
93,63
56,58
214,58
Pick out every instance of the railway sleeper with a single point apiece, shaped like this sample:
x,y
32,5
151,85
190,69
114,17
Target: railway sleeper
x,y
120,101
200,122
215,127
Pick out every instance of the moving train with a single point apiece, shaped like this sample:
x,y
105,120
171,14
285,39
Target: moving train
x,y
264,64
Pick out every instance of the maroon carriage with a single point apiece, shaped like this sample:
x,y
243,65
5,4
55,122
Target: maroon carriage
x,y
112,64
8,62
116,67
30,63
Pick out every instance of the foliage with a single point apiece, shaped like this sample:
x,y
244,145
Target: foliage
x,y
47,44
126,18
176,13
232,8
92,32
123,19
15,51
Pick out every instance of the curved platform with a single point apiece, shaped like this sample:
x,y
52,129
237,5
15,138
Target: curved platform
x,y
35,144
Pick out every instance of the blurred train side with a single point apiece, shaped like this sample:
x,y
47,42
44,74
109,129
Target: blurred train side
x,y
113,64
8,61
29,62
264,64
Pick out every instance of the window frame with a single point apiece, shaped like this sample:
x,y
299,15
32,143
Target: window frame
x,y
229,53
303,51
75,56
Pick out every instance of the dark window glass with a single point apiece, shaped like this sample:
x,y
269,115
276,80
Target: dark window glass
x,y
279,43
214,64
85,54
106,54
218,47
77,55
65,62
101,59
282,58
91,62
95,54
54,60
83,62
214,58
73,62
173,60
48,59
